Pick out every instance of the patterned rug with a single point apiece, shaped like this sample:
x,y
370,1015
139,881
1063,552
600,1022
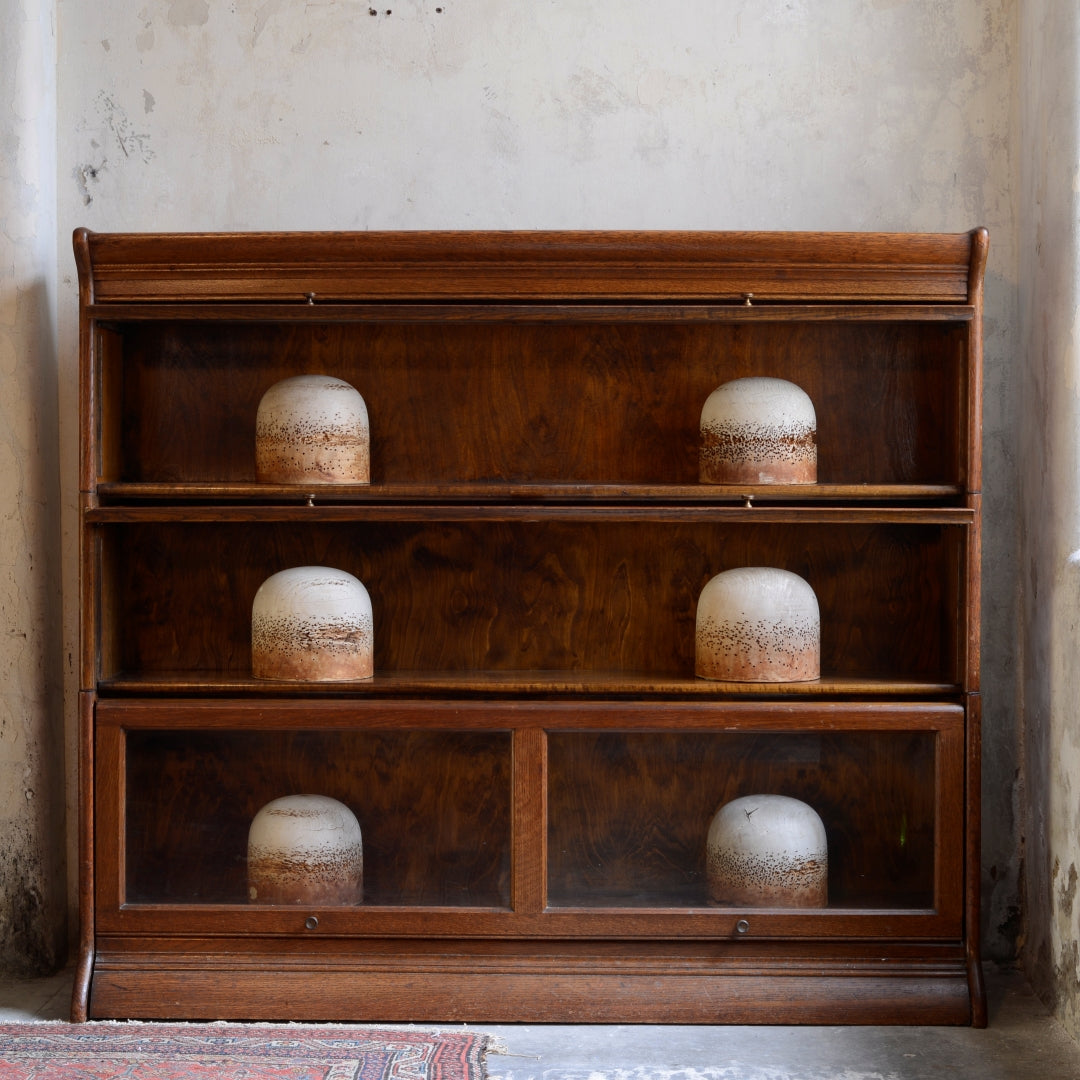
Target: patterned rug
x,y
109,1051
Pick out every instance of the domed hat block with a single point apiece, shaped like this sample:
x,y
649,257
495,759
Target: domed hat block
x,y
312,623
312,429
305,849
758,624
758,431
767,851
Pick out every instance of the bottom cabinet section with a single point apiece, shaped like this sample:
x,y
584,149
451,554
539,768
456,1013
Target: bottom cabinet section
x,y
546,859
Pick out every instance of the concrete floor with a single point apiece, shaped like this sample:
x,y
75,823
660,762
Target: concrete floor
x,y
1022,1043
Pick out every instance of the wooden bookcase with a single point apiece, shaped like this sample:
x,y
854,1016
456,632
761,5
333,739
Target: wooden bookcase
x,y
534,765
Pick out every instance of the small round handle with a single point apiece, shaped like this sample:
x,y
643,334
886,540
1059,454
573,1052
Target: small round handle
x,y
742,926
311,923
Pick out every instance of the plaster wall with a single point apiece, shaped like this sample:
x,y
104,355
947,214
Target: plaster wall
x,y
710,114
32,894
1050,475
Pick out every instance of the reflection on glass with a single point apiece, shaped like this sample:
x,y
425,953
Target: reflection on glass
x,y
434,806
629,813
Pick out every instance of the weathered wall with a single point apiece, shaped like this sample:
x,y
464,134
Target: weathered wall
x,y
856,114
1050,475
32,895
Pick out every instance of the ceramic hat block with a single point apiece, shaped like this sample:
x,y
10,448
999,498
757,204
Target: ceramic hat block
x,y
312,429
758,624
312,623
305,849
767,851
758,431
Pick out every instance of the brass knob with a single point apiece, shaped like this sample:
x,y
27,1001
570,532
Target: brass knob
x,y
310,923
742,926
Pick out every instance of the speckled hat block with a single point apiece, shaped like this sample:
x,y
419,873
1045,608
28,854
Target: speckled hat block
x,y
758,431
312,623
767,851
305,849
758,624
312,429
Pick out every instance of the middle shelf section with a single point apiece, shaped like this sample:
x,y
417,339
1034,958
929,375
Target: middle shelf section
x,y
544,603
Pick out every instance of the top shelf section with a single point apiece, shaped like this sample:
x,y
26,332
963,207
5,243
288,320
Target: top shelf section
x,y
542,363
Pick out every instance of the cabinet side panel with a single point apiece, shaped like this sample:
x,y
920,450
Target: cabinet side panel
x,y
87,860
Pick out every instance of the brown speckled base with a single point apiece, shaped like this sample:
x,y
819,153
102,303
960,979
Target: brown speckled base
x,y
769,882
736,455
299,666
758,652
314,460
275,879
307,651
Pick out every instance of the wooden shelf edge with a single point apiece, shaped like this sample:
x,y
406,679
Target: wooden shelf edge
x,y
471,685
617,492
531,513
678,311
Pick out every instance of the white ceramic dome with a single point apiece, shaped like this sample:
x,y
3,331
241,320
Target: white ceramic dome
x,y
312,623
767,851
758,431
312,429
758,624
305,849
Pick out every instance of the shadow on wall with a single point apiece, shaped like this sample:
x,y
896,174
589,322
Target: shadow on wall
x,y
1050,507
33,901
1001,813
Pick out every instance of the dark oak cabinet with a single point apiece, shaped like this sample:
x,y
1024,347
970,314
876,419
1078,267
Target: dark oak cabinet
x,y
534,764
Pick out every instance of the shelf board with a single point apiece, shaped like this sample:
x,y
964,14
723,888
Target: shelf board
x,y
242,502
484,310
472,684
524,493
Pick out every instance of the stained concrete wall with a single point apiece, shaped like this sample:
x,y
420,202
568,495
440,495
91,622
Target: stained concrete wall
x,y
710,114
32,895
1050,474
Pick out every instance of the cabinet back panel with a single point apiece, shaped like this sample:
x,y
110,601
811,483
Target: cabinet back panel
x,y
506,401
607,596
629,813
433,808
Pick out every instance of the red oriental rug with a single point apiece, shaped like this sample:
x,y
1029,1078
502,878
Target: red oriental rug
x,y
133,1051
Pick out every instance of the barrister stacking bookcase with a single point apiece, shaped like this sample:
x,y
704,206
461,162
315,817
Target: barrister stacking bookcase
x,y
534,765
